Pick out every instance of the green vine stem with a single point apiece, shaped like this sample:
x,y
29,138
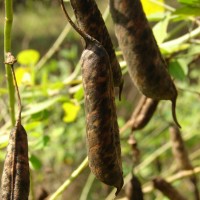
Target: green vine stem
x,y
7,48
73,176
87,187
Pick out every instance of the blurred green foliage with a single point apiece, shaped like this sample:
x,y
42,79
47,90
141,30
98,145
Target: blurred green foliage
x,y
53,99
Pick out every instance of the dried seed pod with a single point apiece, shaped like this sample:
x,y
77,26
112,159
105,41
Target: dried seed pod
x,y
181,156
133,189
167,189
146,65
15,178
143,112
91,22
101,125
134,147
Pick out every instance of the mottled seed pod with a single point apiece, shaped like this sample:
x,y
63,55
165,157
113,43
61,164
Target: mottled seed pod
x,y
101,136
143,112
104,153
90,20
133,189
15,178
146,65
167,189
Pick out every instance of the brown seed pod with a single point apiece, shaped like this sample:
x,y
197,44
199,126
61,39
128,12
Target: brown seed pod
x,y
143,112
91,22
101,125
167,189
146,65
181,156
15,178
133,189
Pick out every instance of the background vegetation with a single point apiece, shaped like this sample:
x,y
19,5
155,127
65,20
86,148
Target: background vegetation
x,y
48,74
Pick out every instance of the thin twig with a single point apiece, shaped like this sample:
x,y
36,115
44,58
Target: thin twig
x,y
88,185
73,176
173,178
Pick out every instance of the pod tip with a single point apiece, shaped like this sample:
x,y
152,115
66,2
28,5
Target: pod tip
x,y
174,113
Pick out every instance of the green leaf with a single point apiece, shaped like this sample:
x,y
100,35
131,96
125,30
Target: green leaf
x,y
176,70
38,107
3,141
71,110
70,54
42,142
186,10
35,162
79,94
3,91
160,30
193,3
32,125
28,57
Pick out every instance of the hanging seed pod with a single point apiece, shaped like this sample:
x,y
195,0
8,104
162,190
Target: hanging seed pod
x,y
167,189
133,189
143,112
135,150
15,178
91,22
146,65
103,154
181,156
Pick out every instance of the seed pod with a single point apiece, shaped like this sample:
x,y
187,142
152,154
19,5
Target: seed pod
x,y
101,125
181,156
167,189
146,65
15,178
135,150
133,189
143,112
91,22
101,137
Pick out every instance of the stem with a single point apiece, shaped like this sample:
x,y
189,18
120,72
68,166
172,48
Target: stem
x,y
87,187
18,95
7,48
181,39
73,176
180,175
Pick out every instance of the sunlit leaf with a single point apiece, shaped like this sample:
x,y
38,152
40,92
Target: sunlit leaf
x,y
32,125
152,7
3,141
79,94
71,110
28,57
35,162
23,76
160,30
